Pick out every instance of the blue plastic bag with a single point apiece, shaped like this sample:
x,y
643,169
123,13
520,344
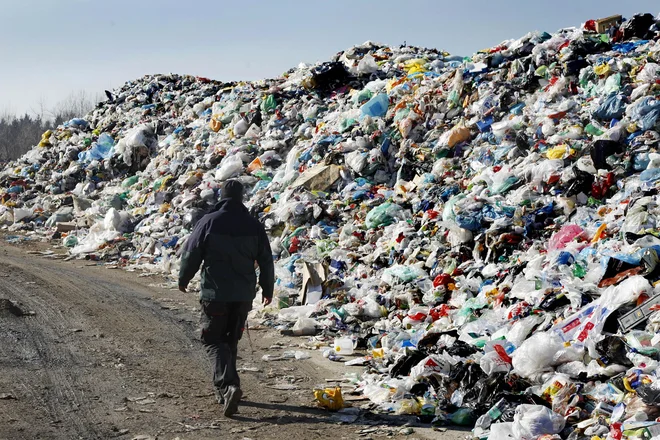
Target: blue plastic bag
x,y
612,107
645,112
469,221
102,149
377,106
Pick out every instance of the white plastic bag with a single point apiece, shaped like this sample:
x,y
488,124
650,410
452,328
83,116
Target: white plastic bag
x,y
231,166
521,328
532,421
21,213
356,161
493,363
431,365
367,65
241,127
536,354
304,327
501,431
649,73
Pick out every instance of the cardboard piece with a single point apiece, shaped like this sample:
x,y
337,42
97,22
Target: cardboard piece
x,y
314,275
65,226
318,178
603,24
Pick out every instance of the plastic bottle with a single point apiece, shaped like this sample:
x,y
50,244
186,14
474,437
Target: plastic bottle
x,y
343,346
492,415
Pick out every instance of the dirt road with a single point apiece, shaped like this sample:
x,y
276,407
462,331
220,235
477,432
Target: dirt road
x,y
92,353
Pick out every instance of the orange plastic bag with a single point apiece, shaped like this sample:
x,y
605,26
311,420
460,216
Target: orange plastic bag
x,y
215,125
254,165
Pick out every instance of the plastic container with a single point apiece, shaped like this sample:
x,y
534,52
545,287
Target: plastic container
x,y
343,346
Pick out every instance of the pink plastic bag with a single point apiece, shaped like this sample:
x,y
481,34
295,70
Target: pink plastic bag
x,y
564,236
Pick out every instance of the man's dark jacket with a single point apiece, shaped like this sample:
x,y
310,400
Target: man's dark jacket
x,y
228,241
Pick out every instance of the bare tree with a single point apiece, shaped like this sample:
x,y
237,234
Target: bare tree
x,y
76,105
20,133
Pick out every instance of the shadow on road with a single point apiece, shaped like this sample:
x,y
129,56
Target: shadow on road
x,y
294,414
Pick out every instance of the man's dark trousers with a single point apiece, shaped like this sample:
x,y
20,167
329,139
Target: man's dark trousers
x,y
222,328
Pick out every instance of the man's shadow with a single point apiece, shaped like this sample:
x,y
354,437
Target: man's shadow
x,y
295,414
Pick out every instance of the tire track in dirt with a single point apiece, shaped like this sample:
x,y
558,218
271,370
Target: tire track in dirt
x,y
56,366
101,338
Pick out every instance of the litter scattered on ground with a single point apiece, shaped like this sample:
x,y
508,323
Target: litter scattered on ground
x,y
481,232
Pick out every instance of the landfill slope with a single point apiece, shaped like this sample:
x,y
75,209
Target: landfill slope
x,y
479,225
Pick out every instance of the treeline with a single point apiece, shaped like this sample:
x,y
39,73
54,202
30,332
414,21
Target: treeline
x,y
18,134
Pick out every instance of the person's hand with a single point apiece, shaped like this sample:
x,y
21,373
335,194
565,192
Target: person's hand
x,y
183,288
266,301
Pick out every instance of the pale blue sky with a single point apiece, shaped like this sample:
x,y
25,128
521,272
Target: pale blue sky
x,y
50,48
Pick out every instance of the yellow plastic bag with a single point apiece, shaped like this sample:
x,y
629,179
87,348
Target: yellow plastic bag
x,y
415,66
456,135
45,139
559,152
330,398
602,69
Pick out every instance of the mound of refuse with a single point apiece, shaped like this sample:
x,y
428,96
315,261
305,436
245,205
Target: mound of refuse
x,y
483,230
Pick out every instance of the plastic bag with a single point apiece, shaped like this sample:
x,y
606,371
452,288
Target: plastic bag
x,y
269,104
501,431
241,127
493,362
532,421
135,138
367,65
612,107
102,149
304,327
21,214
649,74
521,328
536,354
329,398
231,166
564,236
454,136
376,107
649,393
382,215
402,274
430,366
356,160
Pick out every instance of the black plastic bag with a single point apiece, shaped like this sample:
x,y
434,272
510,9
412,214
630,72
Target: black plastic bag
x,y
649,394
613,350
601,150
639,26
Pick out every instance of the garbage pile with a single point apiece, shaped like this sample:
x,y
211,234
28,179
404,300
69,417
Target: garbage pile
x,y
484,228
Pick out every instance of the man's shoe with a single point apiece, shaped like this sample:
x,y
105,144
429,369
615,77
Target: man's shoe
x,y
232,397
219,397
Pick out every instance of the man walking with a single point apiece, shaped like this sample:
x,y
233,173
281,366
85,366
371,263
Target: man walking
x,y
226,243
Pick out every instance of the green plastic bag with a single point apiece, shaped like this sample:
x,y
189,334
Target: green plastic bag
x,y
362,97
324,247
463,417
269,104
127,183
346,124
382,215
